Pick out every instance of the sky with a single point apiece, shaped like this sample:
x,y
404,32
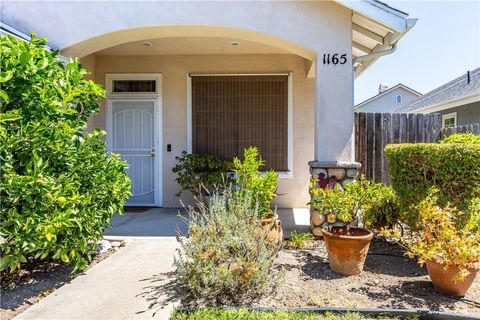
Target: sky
x,y
443,45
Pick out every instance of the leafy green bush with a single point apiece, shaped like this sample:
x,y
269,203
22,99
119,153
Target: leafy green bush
x,y
465,138
249,179
452,169
58,187
339,203
200,173
226,257
377,203
439,239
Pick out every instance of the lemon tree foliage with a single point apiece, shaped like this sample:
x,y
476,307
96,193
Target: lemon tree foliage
x,y
58,187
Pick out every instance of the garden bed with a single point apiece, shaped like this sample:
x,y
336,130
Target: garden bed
x,y
389,280
37,280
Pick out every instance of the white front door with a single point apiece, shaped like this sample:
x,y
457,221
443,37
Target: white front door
x,y
133,129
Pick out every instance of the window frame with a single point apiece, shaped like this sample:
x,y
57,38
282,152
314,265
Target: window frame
x,y
448,116
288,174
396,98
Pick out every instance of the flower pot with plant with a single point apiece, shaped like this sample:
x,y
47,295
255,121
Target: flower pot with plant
x,y
261,186
347,245
448,246
201,174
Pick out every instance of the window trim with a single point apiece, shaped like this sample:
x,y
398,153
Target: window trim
x,y
281,174
396,98
448,116
110,77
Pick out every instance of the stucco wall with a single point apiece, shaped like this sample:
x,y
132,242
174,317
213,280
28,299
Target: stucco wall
x,y
467,114
387,102
174,69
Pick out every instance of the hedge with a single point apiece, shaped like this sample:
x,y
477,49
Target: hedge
x,y
452,169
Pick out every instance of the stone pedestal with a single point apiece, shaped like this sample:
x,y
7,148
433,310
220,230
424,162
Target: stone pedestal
x,y
330,174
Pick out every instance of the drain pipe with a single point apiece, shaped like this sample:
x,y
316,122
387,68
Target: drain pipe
x,y
376,54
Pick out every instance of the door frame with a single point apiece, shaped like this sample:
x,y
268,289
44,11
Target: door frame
x,y
157,127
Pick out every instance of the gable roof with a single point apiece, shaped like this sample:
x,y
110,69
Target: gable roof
x,y
400,85
456,90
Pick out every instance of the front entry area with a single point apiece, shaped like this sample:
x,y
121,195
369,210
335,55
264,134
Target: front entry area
x,y
134,132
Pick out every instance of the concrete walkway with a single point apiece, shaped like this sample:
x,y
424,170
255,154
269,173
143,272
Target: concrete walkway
x,y
135,282
131,284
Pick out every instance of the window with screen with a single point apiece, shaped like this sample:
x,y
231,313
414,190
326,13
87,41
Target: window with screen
x,y
230,113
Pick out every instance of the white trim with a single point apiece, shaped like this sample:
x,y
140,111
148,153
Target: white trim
x,y
474,97
158,131
110,77
449,116
189,114
281,174
380,13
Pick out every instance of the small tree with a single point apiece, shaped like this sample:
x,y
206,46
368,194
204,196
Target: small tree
x,y
58,187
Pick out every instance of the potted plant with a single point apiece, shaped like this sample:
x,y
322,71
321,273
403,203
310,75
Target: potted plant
x,y
347,246
261,187
449,247
200,174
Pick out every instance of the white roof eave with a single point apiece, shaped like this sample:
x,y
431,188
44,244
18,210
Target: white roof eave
x,y
380,13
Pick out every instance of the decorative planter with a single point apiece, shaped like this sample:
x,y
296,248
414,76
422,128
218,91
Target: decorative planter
x,y
271,227
347,248
443,279
335,175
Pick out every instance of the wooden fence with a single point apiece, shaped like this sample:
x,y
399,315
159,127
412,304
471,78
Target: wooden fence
x,y
373,131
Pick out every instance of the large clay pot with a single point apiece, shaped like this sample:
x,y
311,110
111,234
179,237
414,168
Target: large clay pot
x,y
347,248
271,226
443,279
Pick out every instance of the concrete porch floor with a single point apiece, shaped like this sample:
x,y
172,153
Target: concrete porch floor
x,y
164,222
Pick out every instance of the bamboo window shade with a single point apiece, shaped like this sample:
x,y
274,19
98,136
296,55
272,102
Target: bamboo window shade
x,y
230,113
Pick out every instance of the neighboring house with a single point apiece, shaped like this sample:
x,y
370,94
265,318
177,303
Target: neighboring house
x,y
388,99
215,77
458,101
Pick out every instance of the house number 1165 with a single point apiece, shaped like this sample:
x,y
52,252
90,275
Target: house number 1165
x,y
335,58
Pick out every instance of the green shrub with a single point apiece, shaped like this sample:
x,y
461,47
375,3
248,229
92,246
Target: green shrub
x,y
227,257
452,169
465,138
339,203
200,173
378,203
249,179
375,203
439,239
58,187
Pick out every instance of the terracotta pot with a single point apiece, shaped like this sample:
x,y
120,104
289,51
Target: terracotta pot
x,y
443,279
272,229
347,248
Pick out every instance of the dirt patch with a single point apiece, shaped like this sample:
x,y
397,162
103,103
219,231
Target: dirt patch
x,y
35,281
389,280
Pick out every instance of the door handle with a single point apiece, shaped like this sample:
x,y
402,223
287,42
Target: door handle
x,y
152,153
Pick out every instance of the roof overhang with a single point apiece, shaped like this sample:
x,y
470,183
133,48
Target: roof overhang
x,y
376,27
472,98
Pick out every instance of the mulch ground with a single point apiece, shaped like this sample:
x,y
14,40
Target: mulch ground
x,y
35,281
389,280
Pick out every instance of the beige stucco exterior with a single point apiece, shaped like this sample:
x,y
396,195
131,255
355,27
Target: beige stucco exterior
x,y
175,69
279,36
